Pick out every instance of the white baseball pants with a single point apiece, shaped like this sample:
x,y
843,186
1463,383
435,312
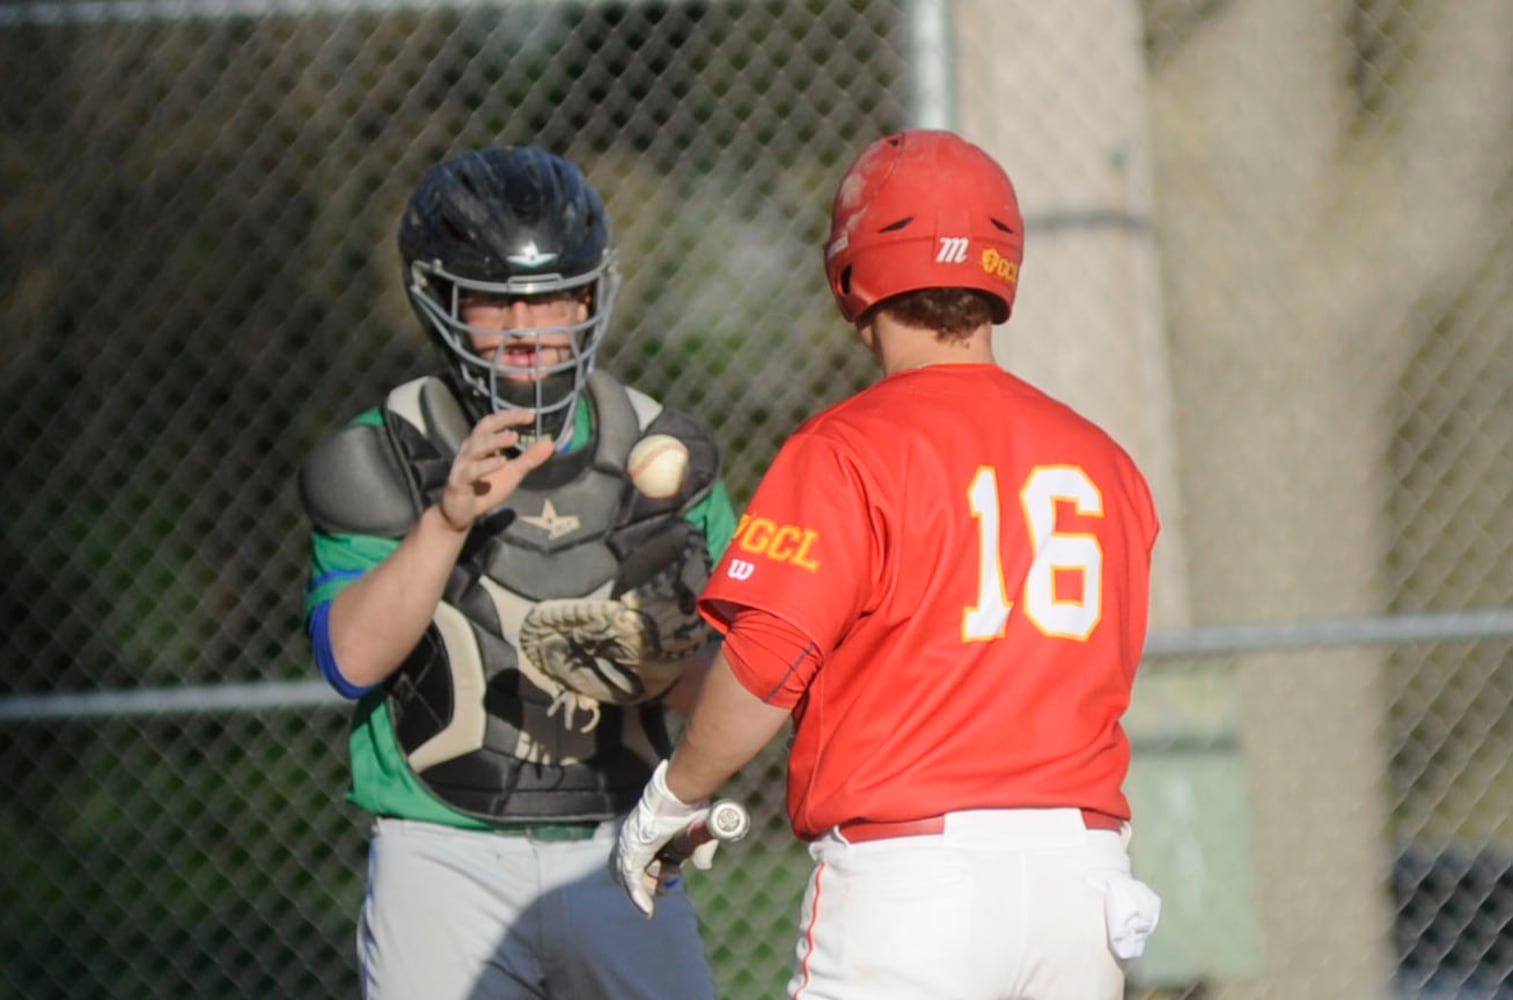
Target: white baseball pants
x,y
1002,905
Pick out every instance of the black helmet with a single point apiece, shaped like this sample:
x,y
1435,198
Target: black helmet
x,y
514,221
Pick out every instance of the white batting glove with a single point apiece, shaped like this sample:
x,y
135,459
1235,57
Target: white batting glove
x,y
657,819
703,855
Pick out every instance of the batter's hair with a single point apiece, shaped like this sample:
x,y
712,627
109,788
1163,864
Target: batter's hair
x,y
953,313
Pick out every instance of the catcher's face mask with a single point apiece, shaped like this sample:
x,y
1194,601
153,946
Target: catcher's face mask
x,y
515,223
520,345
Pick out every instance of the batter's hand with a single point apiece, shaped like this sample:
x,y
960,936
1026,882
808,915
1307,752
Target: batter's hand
x,y
483,476
657,819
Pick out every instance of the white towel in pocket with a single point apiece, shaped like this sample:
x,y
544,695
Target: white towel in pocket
x,y
1132,909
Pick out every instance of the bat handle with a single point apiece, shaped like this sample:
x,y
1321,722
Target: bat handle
x,y
728,821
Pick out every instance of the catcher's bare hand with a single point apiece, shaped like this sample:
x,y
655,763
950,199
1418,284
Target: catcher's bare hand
x,y
483,476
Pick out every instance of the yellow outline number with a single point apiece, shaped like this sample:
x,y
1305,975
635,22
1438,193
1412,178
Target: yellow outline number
x,y
1055,552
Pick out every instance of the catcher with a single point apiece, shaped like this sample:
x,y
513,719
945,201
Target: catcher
x,y
508,611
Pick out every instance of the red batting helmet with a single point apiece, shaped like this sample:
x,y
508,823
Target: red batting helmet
x,y
923,209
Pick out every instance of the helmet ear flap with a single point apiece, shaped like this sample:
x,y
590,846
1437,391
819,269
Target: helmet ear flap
x,y
841,288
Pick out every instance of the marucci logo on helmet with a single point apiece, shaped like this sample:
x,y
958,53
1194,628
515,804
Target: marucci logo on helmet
x,y
953,250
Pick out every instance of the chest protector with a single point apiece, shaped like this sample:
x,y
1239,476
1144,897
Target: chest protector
x,y
473,727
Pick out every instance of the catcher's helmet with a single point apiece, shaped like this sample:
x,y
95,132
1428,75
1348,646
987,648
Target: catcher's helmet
x,y
510,221
923,209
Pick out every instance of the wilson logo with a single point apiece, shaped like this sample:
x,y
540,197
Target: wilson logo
x,y
740,569
953,250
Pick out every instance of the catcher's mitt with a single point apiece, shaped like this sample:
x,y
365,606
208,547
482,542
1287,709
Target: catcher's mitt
x,y
621,651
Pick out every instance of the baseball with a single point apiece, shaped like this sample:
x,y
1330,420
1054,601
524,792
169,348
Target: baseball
x,y
657,466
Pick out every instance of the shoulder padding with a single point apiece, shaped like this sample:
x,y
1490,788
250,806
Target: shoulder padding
x,y
353,483
618,419
651,417
617,403
428,405
703,452
647,409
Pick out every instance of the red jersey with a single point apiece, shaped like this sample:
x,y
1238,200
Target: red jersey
x,y
971,560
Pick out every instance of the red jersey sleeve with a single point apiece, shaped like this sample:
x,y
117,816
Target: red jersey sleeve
x,y
809,547
772,659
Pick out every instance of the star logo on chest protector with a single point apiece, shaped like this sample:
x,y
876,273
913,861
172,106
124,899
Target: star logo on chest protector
x,y
554,524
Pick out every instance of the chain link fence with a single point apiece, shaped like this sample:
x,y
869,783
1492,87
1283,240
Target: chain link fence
x,y
198,279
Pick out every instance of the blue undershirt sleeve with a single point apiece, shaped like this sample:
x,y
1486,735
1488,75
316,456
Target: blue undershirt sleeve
x,y
325,657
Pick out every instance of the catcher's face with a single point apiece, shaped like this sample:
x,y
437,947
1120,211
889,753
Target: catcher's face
x,y
524,336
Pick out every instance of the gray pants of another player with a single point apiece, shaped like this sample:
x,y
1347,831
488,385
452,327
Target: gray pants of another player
x,y
453,914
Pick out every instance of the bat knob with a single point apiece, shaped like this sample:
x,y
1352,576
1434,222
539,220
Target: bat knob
x,y
729,820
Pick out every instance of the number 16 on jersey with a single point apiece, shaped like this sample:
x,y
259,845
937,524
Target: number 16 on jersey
x,y
1053,553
